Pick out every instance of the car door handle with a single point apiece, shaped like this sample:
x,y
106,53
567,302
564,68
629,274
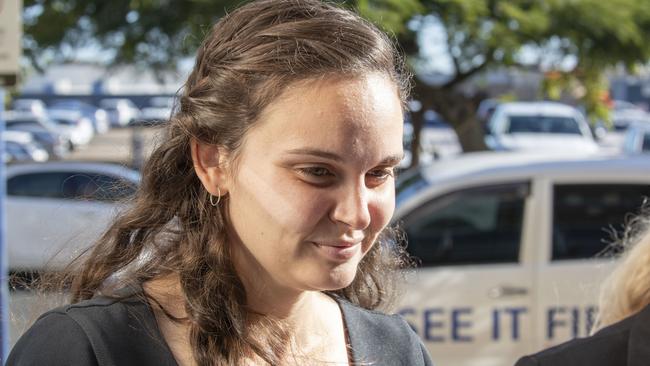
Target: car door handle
x,y
507,291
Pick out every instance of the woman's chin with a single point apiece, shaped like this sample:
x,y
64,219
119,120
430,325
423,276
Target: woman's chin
x,y
337,279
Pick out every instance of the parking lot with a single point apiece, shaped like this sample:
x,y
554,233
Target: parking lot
x,y
116,145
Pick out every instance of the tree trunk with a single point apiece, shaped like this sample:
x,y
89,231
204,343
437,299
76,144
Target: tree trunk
x,y
459,111
417,119
422,93
455,108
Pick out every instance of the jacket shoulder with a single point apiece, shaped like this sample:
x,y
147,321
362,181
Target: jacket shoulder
x,y
382,339
116,331
43,342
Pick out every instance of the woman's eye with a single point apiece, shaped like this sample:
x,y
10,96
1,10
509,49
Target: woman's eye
x,y
317,172
381,174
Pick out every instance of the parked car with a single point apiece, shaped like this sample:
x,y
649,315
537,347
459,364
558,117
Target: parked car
x,y
511,248
32,106
97,116
121,111
21,147
76,125
539,126
56,210
46,132
158,111
437,139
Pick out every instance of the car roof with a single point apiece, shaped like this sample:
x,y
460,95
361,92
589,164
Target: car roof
x,y
538,108
65,114
524,163
490,168
13,115
81,167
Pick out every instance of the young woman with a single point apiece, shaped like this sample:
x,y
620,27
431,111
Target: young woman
x,y
259,233
622,336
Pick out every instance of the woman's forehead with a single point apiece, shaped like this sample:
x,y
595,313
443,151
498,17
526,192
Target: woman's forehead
x,y
355,98
343,116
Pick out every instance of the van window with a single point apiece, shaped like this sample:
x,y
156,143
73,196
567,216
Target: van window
x,y
472,226
585,215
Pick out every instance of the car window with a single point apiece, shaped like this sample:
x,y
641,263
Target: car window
x,y
19,122
473,226
64,121
543,124
584,216
70,185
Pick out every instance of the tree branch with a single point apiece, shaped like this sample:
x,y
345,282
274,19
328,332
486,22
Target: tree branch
x,y
454,59
462,76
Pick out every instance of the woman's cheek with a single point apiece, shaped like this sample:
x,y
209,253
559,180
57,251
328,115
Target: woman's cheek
x,y
383,210
304,206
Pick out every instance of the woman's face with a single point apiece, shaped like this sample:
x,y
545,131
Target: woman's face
x,y
314,183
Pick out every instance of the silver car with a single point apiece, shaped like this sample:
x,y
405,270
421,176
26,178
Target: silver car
x,y
56,210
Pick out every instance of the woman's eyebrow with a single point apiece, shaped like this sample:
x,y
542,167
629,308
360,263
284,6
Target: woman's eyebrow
x,y
316,152
389,160
392,159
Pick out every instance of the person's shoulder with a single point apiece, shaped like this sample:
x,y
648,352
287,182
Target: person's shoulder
x,y
103,309
113,331
54,339
608,346
386,337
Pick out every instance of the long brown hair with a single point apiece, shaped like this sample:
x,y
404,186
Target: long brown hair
x,y
248,58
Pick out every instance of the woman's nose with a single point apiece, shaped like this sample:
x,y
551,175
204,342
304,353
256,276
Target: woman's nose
x,y
352,208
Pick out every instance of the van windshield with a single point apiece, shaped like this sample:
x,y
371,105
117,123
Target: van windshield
x,y
543,124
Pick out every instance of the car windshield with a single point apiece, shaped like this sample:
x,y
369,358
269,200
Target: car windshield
x,y
543,124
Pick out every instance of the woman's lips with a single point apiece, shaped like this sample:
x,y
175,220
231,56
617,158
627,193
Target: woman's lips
x,y
340,251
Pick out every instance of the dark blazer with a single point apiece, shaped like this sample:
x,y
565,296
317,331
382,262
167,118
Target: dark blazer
x,y
107,332
626,343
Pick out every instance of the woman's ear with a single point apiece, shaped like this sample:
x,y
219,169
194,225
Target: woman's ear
x,y
210,166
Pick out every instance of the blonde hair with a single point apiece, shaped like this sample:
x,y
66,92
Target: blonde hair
x,y
626,290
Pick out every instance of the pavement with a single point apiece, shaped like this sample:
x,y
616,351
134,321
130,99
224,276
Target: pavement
x,y
118,145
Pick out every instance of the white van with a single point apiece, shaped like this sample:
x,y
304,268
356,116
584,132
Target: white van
x,y
539,126
511,248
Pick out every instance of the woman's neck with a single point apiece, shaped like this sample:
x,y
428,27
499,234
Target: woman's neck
x,y
285,305
313,319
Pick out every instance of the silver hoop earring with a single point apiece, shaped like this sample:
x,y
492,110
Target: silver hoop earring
x,y
218,198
